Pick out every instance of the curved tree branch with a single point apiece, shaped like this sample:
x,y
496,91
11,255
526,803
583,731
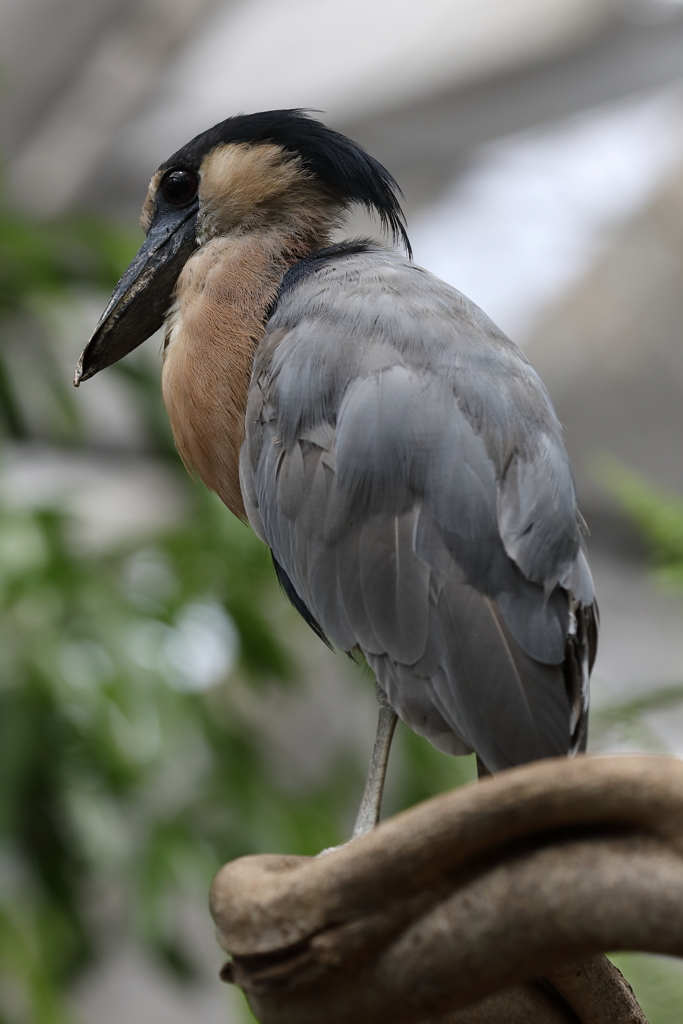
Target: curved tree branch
x,y
466,898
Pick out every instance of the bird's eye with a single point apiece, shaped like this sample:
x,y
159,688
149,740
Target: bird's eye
x,y
179,187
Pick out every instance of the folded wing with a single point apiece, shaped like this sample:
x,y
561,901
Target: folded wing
x,y
405,466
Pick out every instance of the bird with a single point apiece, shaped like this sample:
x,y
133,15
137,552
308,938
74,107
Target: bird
x,y
392,447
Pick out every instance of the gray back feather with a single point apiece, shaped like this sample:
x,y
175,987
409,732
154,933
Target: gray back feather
x,y
405,465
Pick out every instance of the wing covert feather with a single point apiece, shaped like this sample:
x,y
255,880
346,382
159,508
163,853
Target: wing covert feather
x,y
405,466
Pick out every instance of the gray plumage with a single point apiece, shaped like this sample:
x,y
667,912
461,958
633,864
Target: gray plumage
x,y
403,462
401,457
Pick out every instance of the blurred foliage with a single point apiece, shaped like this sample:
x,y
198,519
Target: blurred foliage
x,y
658,517
125,765
656,513
122,765
39,259
657,982
134,680
39,263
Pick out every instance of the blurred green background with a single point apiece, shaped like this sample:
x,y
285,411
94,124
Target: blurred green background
x,y
139,678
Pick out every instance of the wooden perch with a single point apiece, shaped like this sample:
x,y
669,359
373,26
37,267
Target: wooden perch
x,y
446,913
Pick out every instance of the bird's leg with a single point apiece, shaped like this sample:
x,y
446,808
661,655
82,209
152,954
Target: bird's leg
x,y
368,814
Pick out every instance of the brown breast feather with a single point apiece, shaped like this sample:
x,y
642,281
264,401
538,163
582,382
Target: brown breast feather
x,y
213,329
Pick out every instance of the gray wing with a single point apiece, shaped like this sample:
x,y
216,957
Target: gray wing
x,y
404,464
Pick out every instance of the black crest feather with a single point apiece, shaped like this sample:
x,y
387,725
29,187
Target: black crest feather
x,y
340,163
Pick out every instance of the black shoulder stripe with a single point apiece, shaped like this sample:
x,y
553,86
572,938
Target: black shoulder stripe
x,y
295,600
322,258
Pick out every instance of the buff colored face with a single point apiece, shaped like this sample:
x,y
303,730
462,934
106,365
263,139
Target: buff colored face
x,y
220,240
239,188
243,187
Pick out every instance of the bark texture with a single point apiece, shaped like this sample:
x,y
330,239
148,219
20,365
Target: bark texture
x,y
486,905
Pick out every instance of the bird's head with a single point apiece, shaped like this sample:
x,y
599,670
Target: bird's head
x,y
277,171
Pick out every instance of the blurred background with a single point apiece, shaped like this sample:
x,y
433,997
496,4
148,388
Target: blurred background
x,y
162,709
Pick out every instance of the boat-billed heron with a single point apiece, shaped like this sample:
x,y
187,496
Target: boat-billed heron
x,y
395,451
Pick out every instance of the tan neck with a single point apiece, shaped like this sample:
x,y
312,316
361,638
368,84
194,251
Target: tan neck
x,y
217,320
